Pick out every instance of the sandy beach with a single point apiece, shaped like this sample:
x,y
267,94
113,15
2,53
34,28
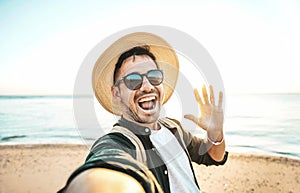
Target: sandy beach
x,y
45,168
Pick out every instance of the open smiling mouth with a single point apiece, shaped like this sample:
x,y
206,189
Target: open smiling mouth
x,y
147,103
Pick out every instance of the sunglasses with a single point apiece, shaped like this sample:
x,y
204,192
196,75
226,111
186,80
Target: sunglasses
x,y
134,80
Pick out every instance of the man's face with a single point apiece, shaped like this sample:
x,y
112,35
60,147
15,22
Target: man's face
x,y
142,105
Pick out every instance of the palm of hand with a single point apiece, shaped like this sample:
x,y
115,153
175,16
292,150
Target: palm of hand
x,y
211,118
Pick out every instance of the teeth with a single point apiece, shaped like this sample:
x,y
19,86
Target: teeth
x,y
147,99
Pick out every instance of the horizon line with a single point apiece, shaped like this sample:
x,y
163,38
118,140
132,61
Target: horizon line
x,y
61,94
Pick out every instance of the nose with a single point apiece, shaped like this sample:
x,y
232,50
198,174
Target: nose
x,y
146,85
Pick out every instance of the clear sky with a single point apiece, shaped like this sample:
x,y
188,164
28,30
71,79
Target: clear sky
x,y
255,44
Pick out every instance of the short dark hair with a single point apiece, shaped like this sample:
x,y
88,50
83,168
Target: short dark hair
x,y
135,51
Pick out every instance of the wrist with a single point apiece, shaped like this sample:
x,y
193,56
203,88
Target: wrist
x,y
215,141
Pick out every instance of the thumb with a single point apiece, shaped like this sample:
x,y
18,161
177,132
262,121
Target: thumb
x,y
191,118
195,119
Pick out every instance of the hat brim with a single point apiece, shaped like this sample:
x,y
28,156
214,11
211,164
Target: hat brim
x,y
102,78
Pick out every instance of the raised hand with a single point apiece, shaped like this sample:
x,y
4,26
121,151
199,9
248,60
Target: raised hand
x,y
211,118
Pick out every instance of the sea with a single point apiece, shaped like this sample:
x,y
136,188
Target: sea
x,y
254,123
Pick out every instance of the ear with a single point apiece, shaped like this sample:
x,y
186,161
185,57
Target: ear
x,y
115,91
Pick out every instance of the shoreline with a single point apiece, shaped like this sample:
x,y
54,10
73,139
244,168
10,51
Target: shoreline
x,y
229,149
46,168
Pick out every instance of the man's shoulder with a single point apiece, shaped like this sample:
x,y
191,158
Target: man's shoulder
x,y
112,139
170,122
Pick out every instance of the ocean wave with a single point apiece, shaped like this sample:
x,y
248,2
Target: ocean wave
x,y
7,138
244,117
286,154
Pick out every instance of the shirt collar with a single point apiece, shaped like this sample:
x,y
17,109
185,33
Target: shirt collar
x,y
133,127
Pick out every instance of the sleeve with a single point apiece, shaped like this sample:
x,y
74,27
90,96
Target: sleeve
x,y
111,154
197,149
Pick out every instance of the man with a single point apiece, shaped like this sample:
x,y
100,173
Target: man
x,y
133,78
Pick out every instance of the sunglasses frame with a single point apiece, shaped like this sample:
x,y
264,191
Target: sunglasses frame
x,y
142,77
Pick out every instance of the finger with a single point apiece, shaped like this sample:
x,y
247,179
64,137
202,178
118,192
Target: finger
x,y
195,119
197,96
211,95
204,93
220,103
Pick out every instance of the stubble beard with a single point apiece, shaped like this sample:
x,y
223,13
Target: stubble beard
x,y
145,119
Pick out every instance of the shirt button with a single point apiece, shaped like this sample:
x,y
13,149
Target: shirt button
x,y
155,151
147,130
166,172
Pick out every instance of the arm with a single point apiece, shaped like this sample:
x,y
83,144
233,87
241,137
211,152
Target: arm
x,y
109,165
111,181
211,120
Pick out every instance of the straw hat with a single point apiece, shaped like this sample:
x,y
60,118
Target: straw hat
x,y
102,79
